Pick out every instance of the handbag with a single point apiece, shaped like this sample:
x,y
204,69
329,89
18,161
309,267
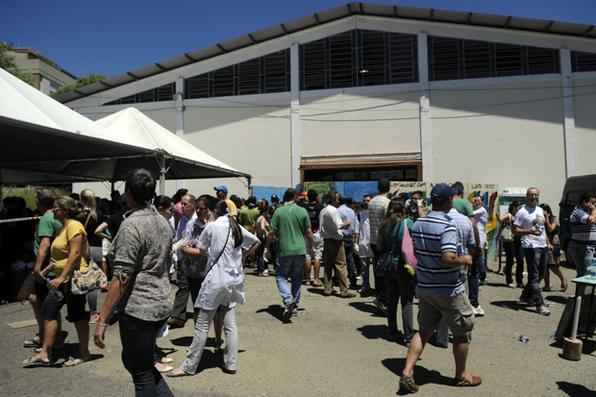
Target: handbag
x,y
94,278
83,282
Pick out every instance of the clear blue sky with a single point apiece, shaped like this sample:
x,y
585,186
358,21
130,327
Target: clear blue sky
x,y
111,37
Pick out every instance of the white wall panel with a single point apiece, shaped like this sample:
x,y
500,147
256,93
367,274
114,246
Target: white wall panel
x,y
511,137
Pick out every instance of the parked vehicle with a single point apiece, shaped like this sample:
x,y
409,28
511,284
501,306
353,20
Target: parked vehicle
x,y
575,186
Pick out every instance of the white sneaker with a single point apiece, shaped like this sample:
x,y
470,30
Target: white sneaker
x,y
479,311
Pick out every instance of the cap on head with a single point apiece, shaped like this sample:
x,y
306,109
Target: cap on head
x,y
441,193
221,188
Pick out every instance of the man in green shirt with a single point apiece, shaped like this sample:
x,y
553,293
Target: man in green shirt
x,y
291,225
248,214
47,228
462,205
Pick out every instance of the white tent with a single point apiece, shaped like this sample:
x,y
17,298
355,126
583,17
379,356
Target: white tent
x,y
177,159
36,130
42,135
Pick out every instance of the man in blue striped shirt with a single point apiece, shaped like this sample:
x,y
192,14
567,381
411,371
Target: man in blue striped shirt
x,y
440,288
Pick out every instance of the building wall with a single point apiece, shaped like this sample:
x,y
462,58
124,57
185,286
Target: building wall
x,y
41,70
584,93
347,124
510,135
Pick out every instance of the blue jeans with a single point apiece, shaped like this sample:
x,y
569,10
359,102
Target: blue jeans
x,y
474,280
290,267
536,262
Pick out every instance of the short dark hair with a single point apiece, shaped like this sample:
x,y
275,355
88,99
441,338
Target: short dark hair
x,y
458,188
162,202
289,195
312,195
141,185
587,196
236,200
179,194
384,185
46,198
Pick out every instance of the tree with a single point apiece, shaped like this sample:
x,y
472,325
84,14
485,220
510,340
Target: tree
x,y
83,81
7,63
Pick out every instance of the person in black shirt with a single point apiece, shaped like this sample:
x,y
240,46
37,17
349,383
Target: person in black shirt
x,y
314,251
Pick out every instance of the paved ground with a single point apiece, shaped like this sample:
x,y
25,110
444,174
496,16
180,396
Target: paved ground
x,y
335,348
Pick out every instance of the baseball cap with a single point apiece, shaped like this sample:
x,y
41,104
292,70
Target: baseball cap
x,y
441,192
221,188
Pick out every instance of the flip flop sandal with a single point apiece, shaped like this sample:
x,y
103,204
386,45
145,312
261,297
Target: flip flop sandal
x,y
163,368
73,362
177,373
475,381
34,362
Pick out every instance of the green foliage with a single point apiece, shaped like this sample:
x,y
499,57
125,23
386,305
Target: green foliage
x,y
7,63
83,81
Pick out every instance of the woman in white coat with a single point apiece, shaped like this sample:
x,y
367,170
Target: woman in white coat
x,y
223,287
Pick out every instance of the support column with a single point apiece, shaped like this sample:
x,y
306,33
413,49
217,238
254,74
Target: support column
x,y
426,128
569,133
179,98
295,123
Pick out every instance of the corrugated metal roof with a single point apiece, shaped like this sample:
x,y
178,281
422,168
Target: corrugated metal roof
x,y
415,13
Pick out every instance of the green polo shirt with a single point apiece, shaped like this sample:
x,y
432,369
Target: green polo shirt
x,y
289,224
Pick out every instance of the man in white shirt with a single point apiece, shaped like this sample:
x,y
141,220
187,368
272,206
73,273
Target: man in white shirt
x,y
529,224
183,233
334,255
377,209
480,219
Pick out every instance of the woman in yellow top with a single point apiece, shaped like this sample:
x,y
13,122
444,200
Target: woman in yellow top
x,y
68,252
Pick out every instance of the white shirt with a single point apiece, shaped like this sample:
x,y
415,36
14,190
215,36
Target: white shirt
x,y
480,220
330,223
224,284
527,218
364,250
377,209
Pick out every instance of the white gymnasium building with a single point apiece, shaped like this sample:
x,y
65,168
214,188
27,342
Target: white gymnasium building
x,y
363,91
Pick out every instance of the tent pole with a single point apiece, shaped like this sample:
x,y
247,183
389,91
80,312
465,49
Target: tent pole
x,y
162,175
249,180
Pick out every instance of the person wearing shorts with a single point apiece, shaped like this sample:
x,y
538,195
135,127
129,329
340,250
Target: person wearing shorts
x,y
440,288
314,256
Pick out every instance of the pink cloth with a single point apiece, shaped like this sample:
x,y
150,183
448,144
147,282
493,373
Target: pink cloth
x,y
407,249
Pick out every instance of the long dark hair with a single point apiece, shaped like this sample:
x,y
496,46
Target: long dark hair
x,y
221,209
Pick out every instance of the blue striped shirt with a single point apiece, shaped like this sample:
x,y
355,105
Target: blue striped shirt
x,y
582,231
434,235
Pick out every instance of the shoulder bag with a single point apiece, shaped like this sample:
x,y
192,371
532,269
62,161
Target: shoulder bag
x,y
94,278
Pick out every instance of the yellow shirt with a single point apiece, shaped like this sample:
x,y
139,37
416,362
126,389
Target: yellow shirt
x,y
61,246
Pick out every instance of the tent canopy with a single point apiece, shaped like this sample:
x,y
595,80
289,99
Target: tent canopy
x,y
44,136
36,128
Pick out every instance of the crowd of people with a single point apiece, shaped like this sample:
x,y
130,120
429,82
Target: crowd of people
x,y
397,247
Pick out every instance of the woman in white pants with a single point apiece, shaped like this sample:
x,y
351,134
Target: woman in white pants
x,y
222,288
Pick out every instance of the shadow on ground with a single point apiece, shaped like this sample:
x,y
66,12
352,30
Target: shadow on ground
x,y
558,299
275,311
575,390
422,375
186,341
514,305
367,308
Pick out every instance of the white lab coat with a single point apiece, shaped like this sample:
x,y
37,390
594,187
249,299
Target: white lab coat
x,y
224,284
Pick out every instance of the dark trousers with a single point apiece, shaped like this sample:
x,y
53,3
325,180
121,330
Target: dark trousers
x,y
138,341
400,287
261,265
379,275
513,253
536,259
187,287
349,248
474,280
